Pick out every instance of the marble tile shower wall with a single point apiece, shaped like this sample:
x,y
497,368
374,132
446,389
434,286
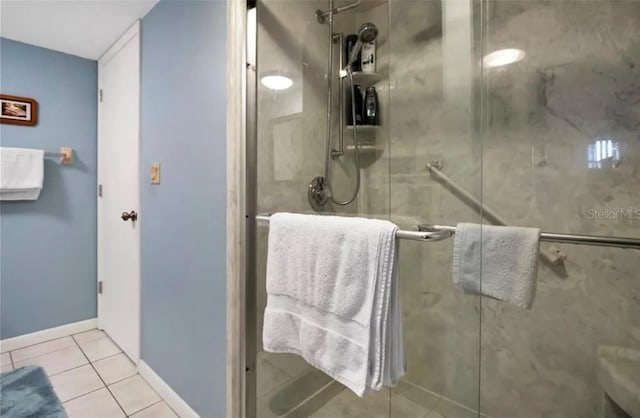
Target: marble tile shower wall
x,y
428,122
579,83
292,123
290,130
292,134
442,325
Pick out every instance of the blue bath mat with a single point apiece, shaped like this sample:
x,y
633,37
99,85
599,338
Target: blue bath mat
x,y
27,393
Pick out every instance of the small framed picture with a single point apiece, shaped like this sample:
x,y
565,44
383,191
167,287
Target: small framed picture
x,y
17,110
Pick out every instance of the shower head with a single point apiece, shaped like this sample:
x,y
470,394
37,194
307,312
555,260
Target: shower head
x,y
367,33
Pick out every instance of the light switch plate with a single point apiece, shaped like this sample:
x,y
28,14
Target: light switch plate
x,y
155,173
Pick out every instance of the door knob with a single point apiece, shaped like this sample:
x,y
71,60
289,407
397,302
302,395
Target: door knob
x,y
129,215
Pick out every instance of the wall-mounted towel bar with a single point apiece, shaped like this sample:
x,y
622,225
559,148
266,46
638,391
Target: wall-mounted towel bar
x,y
65,155
441,232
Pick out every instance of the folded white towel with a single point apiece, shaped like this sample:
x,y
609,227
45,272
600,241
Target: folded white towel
x,y
333,297
21,173
504,267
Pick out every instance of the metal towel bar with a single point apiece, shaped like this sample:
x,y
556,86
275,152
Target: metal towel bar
x,y
600,241
401,234
442,232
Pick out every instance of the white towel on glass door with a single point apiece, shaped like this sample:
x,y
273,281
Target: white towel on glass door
x,y
497,261
333,297
21,173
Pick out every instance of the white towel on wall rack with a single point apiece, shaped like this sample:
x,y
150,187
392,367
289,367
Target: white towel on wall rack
x,y
21,173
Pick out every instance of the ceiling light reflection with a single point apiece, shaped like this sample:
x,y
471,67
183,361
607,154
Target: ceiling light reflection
x,y
503,57
276,82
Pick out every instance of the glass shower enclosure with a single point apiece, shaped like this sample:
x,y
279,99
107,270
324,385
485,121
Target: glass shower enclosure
x,y
522,112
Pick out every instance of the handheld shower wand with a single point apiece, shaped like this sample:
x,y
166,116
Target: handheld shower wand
x,y
367,33
319,191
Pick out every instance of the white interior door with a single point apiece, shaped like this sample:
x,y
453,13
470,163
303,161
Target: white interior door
x,y
119,192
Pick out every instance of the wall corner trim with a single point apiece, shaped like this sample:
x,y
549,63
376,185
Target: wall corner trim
x,y
48,334
236,208
165,391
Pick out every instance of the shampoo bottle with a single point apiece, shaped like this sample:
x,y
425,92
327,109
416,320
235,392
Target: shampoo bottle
x,y
359,107
368,57
371,108
350,42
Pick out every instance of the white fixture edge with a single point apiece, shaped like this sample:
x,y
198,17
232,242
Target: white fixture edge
x,y
236,210
14,343
165,391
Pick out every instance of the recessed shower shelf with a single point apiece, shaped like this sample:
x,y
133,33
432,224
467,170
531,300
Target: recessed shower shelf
x,y
366,148
370,4
366,79
363,128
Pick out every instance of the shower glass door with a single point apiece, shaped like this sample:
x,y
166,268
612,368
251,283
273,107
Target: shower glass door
x,y
435,114
292,129
428,86
562,114
533,109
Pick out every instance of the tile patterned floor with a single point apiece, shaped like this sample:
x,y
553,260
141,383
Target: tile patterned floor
x,y
92,377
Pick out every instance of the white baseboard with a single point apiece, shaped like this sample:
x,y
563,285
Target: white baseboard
x,y
172,399
38,337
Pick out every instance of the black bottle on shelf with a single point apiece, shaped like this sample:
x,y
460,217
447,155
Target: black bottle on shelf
x,y
349,43
371,108
359,107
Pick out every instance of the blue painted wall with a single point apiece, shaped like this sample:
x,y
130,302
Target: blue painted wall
x,y
183,229
48,246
